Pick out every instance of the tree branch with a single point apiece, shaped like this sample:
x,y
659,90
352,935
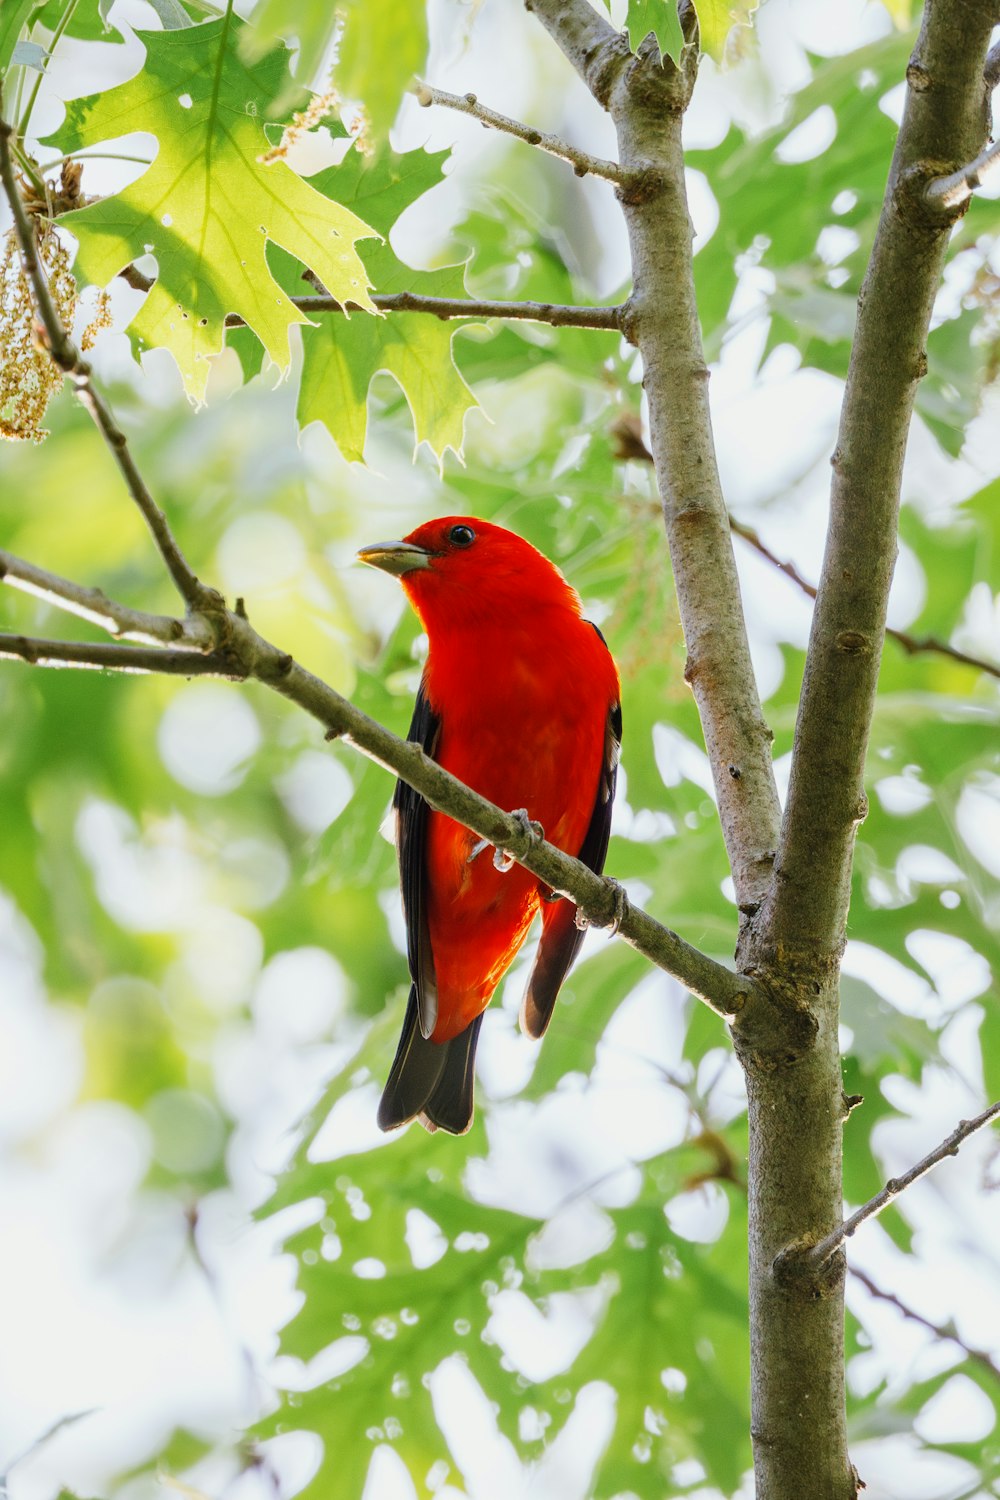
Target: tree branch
x,y
557,315
94,605
244,654
817,1256
72,363
647,103
913,645
588,41
467,104
958,187
101,654
945,120
947,1333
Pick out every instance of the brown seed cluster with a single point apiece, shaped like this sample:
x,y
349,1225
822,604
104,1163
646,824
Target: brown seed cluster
x,y
29,377
102,319
319,107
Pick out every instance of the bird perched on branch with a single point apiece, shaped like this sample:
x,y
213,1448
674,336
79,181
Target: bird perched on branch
x,y
520,700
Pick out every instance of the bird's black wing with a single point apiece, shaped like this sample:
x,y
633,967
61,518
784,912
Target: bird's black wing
x,y
561,938
411,847
432,1080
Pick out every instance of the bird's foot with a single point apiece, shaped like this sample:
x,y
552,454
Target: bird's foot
x,y
503,860
621,906
620,913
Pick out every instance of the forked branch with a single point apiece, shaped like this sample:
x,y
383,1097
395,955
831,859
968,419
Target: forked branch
x,y
94,605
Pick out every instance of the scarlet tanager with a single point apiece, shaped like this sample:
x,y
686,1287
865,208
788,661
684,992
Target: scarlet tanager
x,y
519,699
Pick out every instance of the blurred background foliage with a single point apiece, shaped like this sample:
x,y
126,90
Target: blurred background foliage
x,y
199,922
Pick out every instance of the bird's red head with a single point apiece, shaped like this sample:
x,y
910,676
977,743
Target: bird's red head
x,y
461,568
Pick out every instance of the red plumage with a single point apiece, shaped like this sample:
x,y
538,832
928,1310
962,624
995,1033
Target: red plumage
x,y
520,700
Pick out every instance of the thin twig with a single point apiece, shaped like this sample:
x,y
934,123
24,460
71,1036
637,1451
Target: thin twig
x,y
557,315
821,1252
94,605
100,654
947,1332
630,445
70,360
582,162
912,644
958,187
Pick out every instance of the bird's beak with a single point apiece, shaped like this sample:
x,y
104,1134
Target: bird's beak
x,y
395,557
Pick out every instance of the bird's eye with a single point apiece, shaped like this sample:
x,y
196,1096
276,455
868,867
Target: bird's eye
x,y
461,536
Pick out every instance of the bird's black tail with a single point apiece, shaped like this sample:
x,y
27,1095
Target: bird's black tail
x,y
430,1079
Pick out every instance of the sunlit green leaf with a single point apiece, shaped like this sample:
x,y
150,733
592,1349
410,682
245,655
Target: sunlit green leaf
x,y
716,19
368,67
209,204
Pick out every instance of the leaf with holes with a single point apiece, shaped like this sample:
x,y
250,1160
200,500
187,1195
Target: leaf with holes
x,y
209,204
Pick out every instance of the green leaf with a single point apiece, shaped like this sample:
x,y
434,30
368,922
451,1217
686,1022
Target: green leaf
x,y
791,202
89,21
341,358
13,16
369,70
383,47
659,17
948,398
677,1305
717,18
208,205
660,1301
173,16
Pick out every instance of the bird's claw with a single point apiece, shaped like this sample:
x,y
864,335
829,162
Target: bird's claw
x,y
503,860
621,906
621,909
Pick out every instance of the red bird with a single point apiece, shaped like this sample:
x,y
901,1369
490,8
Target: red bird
x,y
519,699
